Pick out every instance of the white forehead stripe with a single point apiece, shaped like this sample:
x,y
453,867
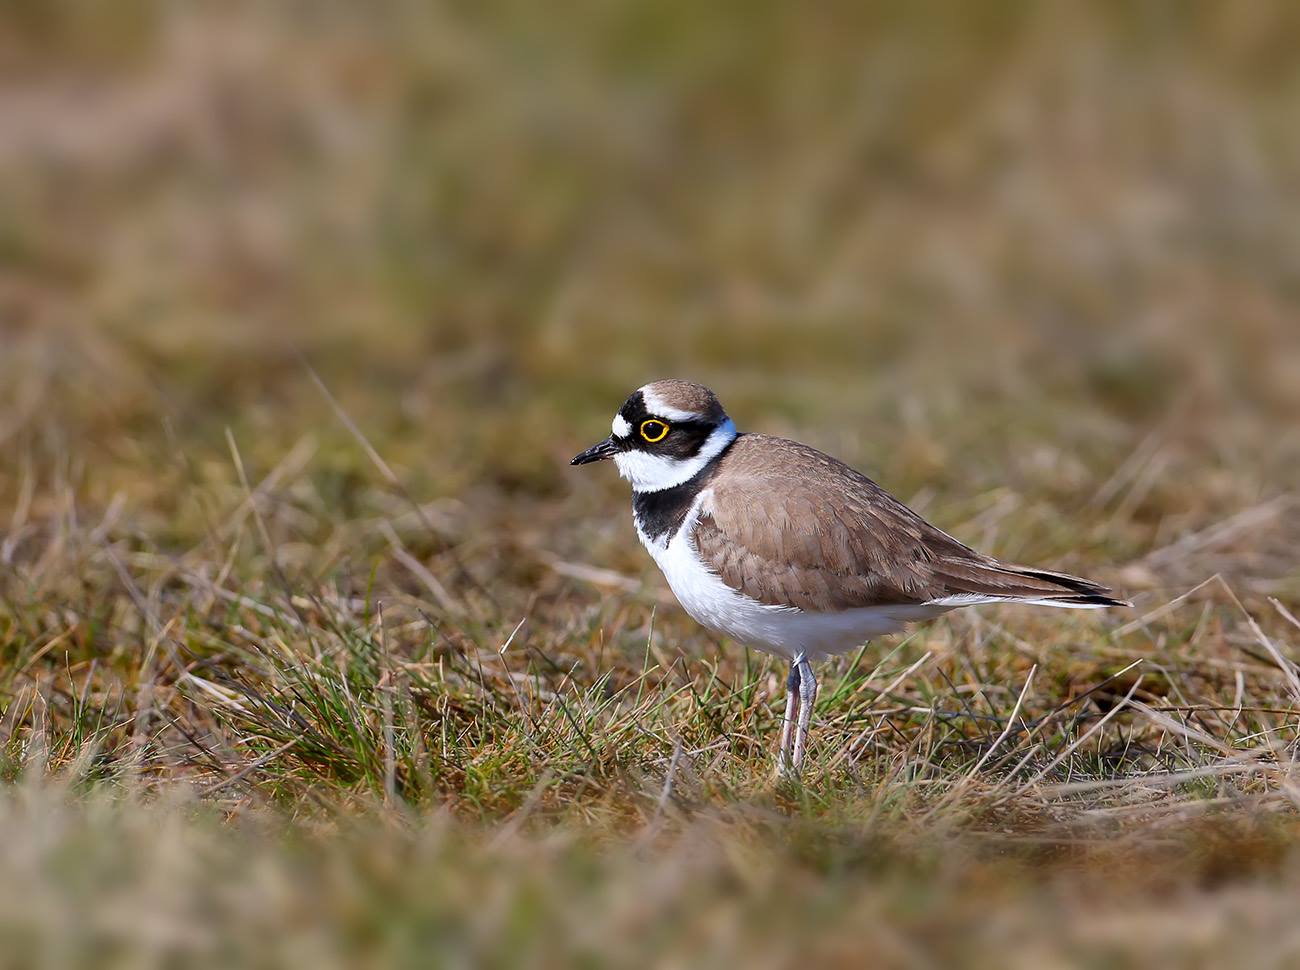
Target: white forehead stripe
x,y
620,426
656,406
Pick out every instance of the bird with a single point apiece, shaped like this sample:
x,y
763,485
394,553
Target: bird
x,y
781,547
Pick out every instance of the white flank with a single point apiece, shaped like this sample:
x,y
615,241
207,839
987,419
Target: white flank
x,y
656,406
782,630
654,473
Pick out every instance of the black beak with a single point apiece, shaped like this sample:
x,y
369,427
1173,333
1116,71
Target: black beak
x,y
606,449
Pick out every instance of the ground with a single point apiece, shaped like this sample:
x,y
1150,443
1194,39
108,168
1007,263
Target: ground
x,y
316,651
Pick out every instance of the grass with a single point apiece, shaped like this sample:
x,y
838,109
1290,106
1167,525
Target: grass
x,y
314,650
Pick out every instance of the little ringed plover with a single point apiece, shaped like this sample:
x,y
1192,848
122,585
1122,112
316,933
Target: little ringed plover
x,y
779,546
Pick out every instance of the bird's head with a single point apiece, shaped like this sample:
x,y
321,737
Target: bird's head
x,y
664,434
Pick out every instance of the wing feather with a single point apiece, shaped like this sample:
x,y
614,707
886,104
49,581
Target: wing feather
x,y
788,525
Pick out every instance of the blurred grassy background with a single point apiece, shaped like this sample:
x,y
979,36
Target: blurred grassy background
x,y
1034,266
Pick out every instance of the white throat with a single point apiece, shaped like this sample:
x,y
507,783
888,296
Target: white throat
x,y
654,473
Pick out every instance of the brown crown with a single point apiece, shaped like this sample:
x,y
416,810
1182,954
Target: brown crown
x,y
686,396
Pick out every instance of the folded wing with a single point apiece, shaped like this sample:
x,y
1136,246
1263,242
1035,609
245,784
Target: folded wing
x,y
788,525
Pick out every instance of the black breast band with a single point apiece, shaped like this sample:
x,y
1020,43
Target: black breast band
x,y
662,513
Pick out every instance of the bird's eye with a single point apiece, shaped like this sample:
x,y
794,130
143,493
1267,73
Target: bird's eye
x,y
653,430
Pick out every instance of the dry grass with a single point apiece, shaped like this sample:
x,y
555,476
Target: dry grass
x,y
315,651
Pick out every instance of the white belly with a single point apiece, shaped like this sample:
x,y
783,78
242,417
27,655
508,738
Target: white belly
x,y
783,630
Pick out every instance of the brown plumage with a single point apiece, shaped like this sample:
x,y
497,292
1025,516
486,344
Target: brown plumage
x,y
784,548
788,525
686,396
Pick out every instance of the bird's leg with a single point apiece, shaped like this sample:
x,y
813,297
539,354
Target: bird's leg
x,y
807,698
791,707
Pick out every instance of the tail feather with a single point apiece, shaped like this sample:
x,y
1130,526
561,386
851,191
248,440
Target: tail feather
x,y
988,581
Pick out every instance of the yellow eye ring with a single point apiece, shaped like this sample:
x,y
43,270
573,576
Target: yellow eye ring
x,y
652,430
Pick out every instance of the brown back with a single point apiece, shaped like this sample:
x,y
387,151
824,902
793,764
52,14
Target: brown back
x,y
788,525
